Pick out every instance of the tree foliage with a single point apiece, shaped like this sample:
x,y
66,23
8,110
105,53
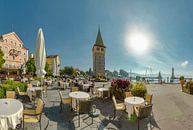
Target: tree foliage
x,y
30,65
2,61
68,70
48,70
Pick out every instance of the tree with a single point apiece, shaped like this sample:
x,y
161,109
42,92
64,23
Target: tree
x,y
108,73
30,65
68,70
115,73
2,61
48,70
123,73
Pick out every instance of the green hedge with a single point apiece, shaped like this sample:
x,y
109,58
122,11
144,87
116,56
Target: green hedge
x,y
12,85
2,92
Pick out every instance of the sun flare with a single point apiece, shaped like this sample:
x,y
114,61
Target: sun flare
x,y
138,43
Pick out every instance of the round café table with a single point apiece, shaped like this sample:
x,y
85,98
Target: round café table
x,y
132,102
31,90
11,113
78,95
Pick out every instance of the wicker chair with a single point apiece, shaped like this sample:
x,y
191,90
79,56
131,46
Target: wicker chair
x,y
143,112
74,89
10,94
148,99
128,94
64,101
23,95
117,106
34,116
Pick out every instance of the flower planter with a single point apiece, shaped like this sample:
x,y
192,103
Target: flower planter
x,y
118,87
182,82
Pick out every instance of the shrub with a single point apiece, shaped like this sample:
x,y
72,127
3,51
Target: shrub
x,y
8,87
2,92
14,85
9,81
139,89
22,86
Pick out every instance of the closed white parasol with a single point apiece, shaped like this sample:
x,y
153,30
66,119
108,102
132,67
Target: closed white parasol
x,y
40,55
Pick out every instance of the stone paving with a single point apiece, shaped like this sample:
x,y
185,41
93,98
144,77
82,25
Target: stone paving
x,y
172,110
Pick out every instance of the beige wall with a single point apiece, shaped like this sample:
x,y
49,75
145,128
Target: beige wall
x,y
11,41
50,61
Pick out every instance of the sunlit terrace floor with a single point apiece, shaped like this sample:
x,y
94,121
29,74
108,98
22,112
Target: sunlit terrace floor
x,y
172,110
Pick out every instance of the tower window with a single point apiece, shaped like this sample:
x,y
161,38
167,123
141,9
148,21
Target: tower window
x,y
102,49
98,49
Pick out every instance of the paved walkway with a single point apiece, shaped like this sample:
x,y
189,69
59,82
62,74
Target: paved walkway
x,y
172,109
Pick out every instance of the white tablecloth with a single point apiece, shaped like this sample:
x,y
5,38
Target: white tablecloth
x,y
31,90
78,95
11,112
132,102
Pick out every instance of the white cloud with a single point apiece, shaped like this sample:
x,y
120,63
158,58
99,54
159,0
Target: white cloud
x,y
184,64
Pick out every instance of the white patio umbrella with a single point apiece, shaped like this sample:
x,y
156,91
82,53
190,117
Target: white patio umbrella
x,y
40,55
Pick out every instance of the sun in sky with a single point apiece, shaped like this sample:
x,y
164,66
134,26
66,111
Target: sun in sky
x,y
137,42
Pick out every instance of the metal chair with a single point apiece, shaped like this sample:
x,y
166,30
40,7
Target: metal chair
x,y
148,99
21,93
105,94
128,94
84,108
94,92
117,106
143,112
64,101
34,116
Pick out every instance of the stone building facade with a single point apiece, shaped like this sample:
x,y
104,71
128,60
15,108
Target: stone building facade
x,y
98,52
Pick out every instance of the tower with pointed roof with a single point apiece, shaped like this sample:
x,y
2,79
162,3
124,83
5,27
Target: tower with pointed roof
x,y
98,52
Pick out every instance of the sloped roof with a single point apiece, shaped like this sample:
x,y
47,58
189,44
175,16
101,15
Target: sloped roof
x,y
99,40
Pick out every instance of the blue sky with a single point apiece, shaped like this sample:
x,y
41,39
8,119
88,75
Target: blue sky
x,y
70,28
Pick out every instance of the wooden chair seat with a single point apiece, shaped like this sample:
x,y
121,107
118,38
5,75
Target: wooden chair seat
x,y
31,119
120,106
67,100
